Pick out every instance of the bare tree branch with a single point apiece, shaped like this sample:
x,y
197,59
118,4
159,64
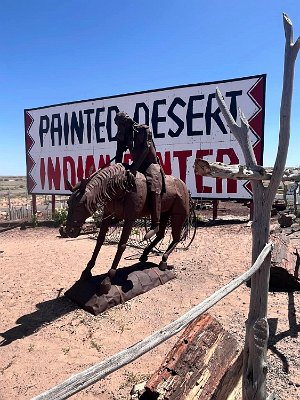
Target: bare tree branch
x,y
241,172
240,132
291,52
288,29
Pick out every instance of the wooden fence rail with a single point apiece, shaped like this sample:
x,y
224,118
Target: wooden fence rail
x,y
82,380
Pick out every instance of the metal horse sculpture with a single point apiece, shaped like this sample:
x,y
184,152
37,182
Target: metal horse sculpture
x,y
124,197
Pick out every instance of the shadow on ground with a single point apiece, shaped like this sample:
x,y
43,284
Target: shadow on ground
x,y
47,311
292,332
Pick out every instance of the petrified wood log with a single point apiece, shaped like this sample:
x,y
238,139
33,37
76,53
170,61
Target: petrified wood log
x,y
285,262
205,363
128,283
285,221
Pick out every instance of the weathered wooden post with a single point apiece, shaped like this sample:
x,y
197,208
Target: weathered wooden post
x,y
34,206
9,205
254,365
53,205
295,197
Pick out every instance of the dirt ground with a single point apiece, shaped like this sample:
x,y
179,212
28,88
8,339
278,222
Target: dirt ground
x,y
46,338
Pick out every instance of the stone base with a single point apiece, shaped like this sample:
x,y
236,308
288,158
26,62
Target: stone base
x,y
129,282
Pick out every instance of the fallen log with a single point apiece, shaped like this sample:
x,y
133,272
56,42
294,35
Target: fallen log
x,y
237,171
285,263
205,363
12,224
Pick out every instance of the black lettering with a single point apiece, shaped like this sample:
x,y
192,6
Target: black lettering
x,y
191,115
215,115
233,102
88,123
137,117
156,118
77,127
175,117
56,128
43,128
66,128
99,124
110,110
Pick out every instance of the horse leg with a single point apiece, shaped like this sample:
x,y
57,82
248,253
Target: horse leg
x,y
86,274
106,283
159,236
177,222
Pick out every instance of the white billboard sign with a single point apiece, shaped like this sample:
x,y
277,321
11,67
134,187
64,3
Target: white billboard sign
x,y
72,140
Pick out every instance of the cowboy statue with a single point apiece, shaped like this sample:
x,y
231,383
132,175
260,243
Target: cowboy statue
x,y
138,140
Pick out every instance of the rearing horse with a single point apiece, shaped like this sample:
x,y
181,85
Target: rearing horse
x,y
123,197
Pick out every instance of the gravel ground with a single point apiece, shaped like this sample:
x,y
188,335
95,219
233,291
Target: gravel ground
x,y
46,338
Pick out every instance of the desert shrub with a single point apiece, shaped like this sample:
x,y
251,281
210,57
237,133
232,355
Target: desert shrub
x,y
60,216
34,220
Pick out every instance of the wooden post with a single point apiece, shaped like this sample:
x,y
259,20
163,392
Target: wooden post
x,y
215,209
34,209
284,194
9,205
295,197
254,368
251,209
53,204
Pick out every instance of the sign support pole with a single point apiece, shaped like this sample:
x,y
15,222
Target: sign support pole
x,y
53,204
215,209
34,208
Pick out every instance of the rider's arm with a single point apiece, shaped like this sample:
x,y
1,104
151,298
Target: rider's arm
x,y
143,139
121,148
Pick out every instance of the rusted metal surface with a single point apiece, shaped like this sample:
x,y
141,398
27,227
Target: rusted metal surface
x,y
129,193
128,283
124,199
138,139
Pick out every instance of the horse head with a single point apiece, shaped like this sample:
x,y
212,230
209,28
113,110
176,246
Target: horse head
x,y
77,210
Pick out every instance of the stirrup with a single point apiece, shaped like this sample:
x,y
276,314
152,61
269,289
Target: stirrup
x,y
151,233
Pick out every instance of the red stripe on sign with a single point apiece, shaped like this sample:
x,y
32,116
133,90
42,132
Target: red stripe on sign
x,y
257,92
256,125
30,162
29,142
247,185
256,122
28,121
31,183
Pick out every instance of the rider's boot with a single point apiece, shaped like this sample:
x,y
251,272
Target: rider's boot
x,y
155,202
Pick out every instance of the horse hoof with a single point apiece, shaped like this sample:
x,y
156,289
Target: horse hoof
x,y
163,265
105,286
143,259
86,275
111,274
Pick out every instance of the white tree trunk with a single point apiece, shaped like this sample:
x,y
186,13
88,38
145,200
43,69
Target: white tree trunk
x,y
254,382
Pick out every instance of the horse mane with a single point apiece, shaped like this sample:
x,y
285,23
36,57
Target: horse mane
x,y
106,184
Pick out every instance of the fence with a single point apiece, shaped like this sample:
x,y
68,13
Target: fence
x,y
99,371
20,207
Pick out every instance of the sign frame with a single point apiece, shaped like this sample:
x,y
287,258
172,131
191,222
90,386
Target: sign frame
x,y
257,121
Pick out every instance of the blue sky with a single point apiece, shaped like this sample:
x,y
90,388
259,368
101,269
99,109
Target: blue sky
x,y
58,51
